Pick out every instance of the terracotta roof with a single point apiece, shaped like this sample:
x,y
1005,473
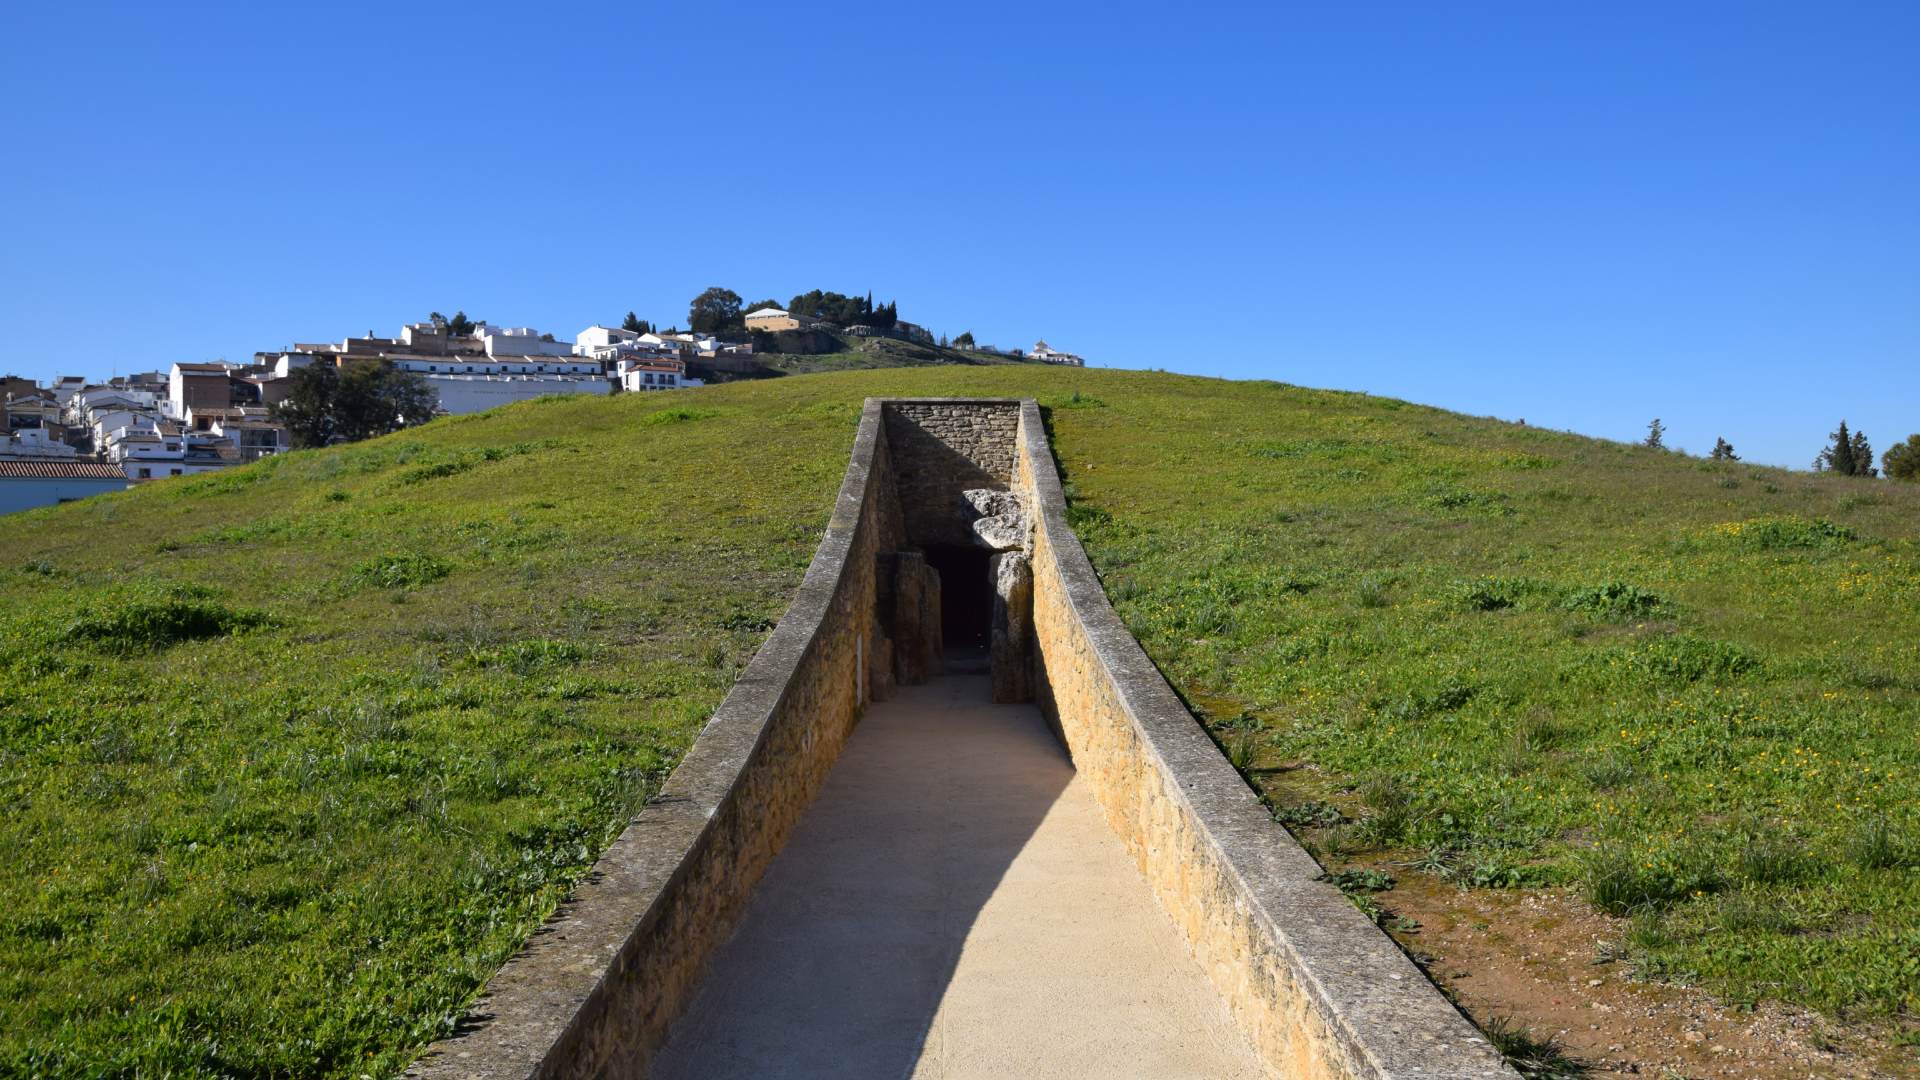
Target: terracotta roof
x,y
60,470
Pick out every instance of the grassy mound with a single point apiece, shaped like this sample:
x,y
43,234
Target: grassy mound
x,y
296,755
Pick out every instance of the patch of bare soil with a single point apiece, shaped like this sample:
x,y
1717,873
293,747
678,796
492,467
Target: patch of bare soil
x,y
1546,961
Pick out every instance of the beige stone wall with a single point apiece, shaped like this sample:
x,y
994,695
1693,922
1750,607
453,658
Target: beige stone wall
x,y
1319,990
941,447
595,989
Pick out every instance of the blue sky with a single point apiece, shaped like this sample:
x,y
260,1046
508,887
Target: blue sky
x,y
1583,215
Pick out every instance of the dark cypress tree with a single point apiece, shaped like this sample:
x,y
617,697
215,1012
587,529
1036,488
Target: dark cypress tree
x,y
1863,456
1838,455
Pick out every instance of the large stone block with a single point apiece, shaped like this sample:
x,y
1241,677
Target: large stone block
x,y
1010,650
913,609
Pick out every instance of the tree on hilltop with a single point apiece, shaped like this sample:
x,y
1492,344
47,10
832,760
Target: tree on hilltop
x,y
1902,460
1849,454
1863,455
1723,451
844,310
1656,435
715,311
965,340
636,325
458,326
325,406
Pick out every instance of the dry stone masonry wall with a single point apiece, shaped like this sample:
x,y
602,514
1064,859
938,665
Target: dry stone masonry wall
x,y
1320,991
595,989
943,447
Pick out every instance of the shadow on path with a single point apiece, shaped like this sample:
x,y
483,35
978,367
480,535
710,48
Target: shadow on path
x,y
942,910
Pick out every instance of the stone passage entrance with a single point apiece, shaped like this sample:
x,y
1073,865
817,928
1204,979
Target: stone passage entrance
x,y
954,904
952,465
966,597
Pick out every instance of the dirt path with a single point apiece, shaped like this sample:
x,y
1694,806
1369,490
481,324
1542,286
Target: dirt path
x,y
1541,959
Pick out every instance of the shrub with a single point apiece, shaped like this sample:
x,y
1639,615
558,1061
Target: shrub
x,y
1448,498
1357,879
1487,593
1390,805
148,625
1242,745
402,570
1372,592
1614,600
1770,859
527,657
1873,845
1681,658
1746,913
1619,881
676,416
1778,533
1421,702
1312,814
435,471
1532,1057
1608,771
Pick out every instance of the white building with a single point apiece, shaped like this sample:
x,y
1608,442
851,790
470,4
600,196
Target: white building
x,y
26,483
66,386
605,343
642,373
1042,351
191,386
462,393
504,341
35,443
143,454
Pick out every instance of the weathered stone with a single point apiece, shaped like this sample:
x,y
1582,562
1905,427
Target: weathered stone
x,y
1012,628
1007,532
913,608
1317,988
941,448
990,503
880,681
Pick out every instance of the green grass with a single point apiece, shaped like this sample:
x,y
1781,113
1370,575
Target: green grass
x,y
1687,689
295,755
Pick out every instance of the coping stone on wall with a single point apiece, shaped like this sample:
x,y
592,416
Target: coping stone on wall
x,y
550,1011
1390,1021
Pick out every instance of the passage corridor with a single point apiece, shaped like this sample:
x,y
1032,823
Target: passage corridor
x,y
954,905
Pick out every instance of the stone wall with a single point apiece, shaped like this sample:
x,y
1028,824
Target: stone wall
x,y
593,992
942,447
1319,990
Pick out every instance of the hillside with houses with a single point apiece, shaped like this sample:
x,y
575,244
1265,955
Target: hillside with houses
x,y
73,436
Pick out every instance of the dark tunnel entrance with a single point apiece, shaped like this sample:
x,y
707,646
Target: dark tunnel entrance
x,y
966,597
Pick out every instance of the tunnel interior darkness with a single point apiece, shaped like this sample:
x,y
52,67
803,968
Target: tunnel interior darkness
x,y
966,596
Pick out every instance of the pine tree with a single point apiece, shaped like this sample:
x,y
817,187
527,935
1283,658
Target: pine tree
x,y
1863,456
1723,451
633,324
1844,456
1656,434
